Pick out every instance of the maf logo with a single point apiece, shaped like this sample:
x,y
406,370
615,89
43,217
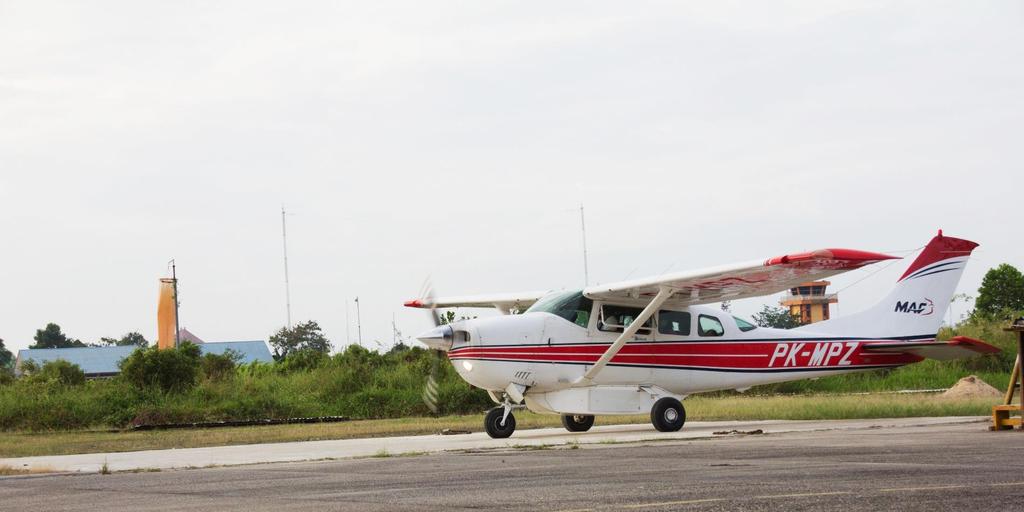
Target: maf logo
x,y
923,308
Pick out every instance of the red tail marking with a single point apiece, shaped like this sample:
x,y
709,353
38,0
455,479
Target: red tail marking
x,y
940,248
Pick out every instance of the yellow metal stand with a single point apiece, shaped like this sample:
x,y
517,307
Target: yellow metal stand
x,y
1001,419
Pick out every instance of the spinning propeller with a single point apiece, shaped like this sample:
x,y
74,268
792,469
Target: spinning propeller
x,y
438,340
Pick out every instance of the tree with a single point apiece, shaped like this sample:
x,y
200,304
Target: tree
x,y
779,318
132,338
1002,289
6,364
218,367
52,337
6,357
303,336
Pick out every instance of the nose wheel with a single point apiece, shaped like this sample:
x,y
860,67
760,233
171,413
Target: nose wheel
x,y
577,422
499,422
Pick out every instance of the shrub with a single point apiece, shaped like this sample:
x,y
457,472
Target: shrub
x,y
28,367
173,369
303,360
60,372
6,376
217,367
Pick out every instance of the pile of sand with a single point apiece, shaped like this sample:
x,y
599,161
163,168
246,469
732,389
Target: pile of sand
x,y
972,387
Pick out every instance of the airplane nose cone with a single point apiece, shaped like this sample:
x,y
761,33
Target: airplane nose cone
x,y
438,338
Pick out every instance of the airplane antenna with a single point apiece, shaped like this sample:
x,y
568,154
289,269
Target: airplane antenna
x,y
287,285
583,229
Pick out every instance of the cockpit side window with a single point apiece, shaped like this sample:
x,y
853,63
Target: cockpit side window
x,y
617,318
572,306
708,325
675,323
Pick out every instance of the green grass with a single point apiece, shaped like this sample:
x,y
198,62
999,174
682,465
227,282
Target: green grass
x,y
358,384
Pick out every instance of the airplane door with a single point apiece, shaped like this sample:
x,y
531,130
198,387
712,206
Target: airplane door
x,y
558,332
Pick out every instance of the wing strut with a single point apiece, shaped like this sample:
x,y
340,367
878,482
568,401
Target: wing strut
x,y
664,293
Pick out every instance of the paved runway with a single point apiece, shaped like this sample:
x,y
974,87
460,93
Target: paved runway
x,y
368,447
933,466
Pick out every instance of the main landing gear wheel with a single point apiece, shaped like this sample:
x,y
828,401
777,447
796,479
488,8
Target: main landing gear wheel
x,y
577,422
668,415
494,425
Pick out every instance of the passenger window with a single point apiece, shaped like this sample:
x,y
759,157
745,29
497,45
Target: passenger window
x,y
676,323
617,318
709,326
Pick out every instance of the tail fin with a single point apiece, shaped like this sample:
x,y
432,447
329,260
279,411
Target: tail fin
x,y
914,309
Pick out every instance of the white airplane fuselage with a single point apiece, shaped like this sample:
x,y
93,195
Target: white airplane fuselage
x,y
643,345
547,356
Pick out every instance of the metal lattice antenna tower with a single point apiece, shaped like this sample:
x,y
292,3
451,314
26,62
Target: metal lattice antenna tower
x,y
396,335
287,285
359,324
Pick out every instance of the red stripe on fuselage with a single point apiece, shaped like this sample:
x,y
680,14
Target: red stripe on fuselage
x,y
748,356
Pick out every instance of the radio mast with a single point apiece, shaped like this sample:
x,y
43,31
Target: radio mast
x,y
287,285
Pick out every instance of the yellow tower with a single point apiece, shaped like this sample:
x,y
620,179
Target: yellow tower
x,y
809,302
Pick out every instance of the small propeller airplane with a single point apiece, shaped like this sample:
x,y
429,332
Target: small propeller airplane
x,y
646,344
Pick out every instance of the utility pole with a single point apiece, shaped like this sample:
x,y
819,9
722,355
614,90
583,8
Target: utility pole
x,y
287,285
177,323
359,323
583,229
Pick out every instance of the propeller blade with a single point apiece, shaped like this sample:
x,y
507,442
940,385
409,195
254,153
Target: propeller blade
x,y
431,396
430,391
427,297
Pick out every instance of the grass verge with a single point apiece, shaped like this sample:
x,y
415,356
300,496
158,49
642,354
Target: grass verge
x,y
699,408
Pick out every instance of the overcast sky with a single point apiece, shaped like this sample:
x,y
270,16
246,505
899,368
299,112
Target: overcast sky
x,y
456,140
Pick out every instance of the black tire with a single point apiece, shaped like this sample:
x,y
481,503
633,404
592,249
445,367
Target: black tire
x,y
493,426
577,422
668,415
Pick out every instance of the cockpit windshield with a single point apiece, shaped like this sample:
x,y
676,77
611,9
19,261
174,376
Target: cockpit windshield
x,y
572,306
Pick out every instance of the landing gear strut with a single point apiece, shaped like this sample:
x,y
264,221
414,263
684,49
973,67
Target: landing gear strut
x,y
499,422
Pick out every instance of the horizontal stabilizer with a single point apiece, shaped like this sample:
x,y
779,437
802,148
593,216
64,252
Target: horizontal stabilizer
x,y
957,348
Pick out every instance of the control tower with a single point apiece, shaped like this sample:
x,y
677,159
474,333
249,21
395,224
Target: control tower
x,y
809,302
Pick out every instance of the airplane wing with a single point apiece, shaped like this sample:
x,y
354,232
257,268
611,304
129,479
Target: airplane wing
x,y
738,281
504,302
957,348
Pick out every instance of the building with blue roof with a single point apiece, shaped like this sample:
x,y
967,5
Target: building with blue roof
x,y
98,362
